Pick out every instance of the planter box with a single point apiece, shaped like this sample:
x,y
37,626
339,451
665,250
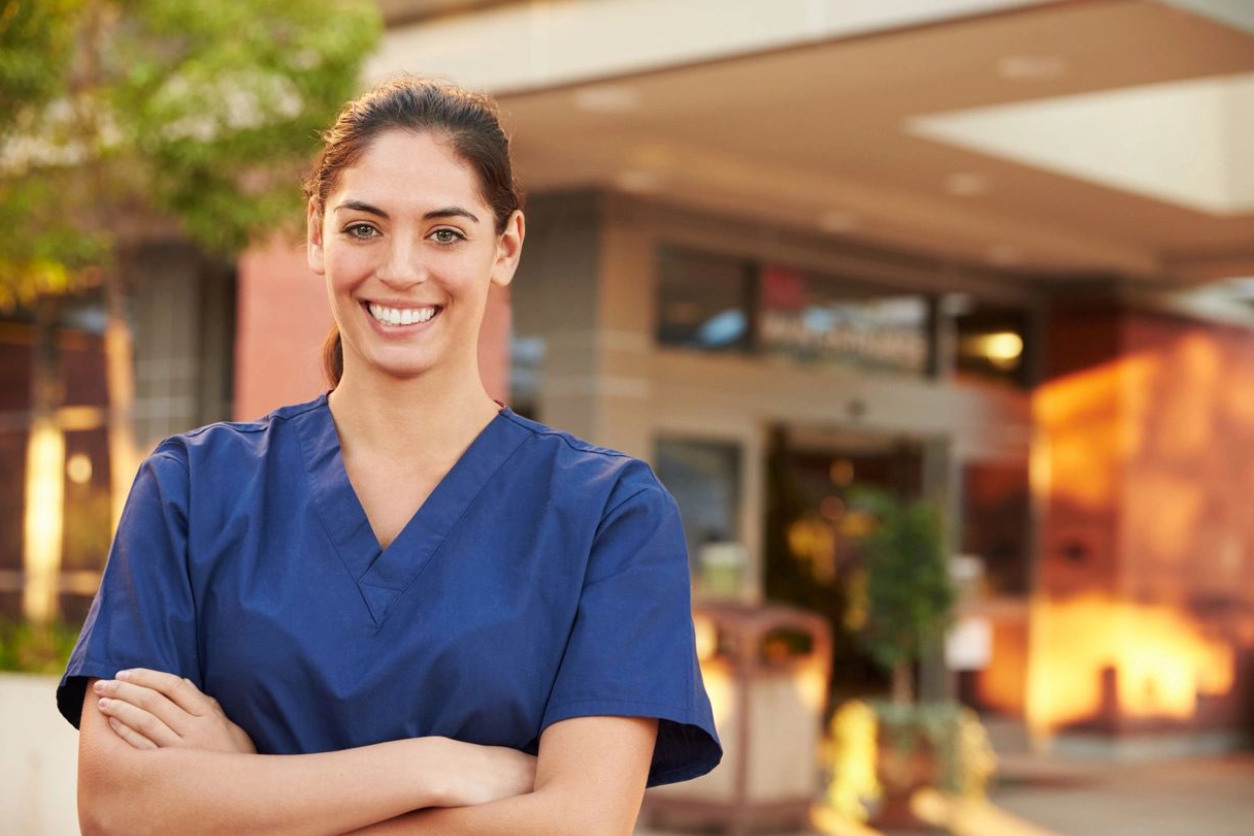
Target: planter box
x,y
38,759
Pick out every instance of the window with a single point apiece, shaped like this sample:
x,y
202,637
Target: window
x,y
704,478
704,301
990,341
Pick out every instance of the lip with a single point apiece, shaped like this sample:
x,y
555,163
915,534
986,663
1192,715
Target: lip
x,y
398,330
402,304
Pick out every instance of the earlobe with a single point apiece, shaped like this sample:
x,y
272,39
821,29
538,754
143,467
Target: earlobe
x,y
509,249
313,239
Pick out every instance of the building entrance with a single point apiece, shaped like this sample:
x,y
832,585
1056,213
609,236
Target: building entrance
x,y
813,533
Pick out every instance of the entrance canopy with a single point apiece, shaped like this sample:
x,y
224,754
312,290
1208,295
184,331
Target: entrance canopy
x,y
1056,140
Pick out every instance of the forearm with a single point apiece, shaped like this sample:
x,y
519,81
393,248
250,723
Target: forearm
x,y
196,792
545,812
590,782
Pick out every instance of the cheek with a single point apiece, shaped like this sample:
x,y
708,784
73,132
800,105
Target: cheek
x,y
344,268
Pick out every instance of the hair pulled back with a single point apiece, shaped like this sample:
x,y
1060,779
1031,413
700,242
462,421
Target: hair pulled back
x,y
469,122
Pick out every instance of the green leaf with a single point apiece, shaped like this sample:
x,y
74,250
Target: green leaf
x,y
172,114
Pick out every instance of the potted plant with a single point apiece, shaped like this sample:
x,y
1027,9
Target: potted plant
x,y
901,602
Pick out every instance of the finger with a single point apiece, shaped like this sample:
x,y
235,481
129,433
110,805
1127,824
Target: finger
x,y
134,738
152,701
181,691
139,720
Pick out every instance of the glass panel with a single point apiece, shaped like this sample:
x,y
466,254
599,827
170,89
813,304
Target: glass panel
x,y
703,301
826,320
991,342
996,507
813,539
526,366
704,478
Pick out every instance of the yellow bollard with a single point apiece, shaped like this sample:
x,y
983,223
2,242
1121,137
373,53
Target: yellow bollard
x,y
829,822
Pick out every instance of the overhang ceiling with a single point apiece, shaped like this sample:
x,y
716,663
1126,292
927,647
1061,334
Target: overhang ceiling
x,y
850,139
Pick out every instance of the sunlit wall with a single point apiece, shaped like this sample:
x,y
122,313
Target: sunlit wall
x,y
1144,613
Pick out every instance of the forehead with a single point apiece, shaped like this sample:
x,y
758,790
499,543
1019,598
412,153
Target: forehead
x,y
402,169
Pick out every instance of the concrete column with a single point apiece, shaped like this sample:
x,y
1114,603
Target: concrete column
x,y
556,295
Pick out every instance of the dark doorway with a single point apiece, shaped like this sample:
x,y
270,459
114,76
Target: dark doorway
x,y
813,536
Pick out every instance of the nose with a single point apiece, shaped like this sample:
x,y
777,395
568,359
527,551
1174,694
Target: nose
x,y
404,267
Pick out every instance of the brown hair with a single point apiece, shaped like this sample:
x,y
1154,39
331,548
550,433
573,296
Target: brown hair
x,y
468,121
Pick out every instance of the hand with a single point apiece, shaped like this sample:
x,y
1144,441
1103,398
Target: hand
x,y
478,774
153,710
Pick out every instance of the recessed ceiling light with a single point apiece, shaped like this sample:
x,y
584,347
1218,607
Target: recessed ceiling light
x,y
1031,67
838,221
1004,255
607,98
635,180
967,184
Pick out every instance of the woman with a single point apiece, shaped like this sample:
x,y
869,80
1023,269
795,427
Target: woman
x,y
429,614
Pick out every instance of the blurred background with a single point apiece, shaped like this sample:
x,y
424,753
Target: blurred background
x,y
962,289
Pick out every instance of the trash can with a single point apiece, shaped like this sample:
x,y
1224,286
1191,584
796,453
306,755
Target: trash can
x,y
766,669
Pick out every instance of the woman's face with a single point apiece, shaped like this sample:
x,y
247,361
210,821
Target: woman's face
x,y
409,249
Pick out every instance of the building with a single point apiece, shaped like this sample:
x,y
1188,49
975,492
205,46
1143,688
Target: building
x,y
982,251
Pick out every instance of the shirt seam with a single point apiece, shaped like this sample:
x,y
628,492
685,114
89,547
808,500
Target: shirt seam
x,y
162,452
686,710
627,499
262,424
565,438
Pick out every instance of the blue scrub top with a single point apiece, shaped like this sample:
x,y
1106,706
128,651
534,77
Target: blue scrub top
x,y
544,578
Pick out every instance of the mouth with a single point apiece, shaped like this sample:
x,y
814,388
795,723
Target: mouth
x,y
397,317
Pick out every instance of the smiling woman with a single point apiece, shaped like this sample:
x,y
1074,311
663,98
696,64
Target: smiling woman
x,y
401,607
406,267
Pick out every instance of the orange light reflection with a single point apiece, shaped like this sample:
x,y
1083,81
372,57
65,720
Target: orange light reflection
x,y
1161,659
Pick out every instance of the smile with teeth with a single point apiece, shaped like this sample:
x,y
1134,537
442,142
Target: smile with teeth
x,y
401,316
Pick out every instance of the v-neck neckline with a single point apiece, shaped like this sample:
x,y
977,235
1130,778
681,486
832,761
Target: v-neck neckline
x,y
381,574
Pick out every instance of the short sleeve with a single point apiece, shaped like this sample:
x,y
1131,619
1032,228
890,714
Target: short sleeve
x,y
631,652
144,614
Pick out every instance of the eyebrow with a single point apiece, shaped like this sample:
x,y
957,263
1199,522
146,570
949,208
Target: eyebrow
x,y
444,212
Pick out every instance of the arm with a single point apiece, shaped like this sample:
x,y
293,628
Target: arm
x,y
174,789
590,781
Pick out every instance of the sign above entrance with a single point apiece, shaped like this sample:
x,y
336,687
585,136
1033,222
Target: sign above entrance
x,y
822,319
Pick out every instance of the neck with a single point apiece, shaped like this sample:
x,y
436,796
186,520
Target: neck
x,y
429,418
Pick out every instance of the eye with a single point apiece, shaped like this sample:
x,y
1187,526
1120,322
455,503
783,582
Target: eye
x,y
360,231
447,236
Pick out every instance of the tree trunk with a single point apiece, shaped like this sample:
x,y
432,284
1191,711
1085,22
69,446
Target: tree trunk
x,y
903,683
120,382
43,526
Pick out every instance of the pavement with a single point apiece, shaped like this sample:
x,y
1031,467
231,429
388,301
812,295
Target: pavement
x,y
1206,796
1044,795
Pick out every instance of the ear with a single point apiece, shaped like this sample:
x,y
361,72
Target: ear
x,y
508,249
313,239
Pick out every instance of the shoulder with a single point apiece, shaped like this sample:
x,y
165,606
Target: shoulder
x,y
588,470
228,443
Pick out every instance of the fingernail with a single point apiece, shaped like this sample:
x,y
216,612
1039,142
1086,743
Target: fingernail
x,y
99,687
103,705
122,675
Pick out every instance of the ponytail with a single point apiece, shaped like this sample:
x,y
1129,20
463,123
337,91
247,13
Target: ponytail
x,y
333,357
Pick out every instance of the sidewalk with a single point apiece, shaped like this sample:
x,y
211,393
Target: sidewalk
x,y
1211,796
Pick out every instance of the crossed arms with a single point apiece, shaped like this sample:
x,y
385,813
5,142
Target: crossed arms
x,y
158,756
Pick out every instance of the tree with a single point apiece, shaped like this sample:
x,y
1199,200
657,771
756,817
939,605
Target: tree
x,y
906,596
125,119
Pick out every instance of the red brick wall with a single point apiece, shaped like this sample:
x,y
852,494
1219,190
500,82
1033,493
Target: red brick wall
x,y
1147,546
